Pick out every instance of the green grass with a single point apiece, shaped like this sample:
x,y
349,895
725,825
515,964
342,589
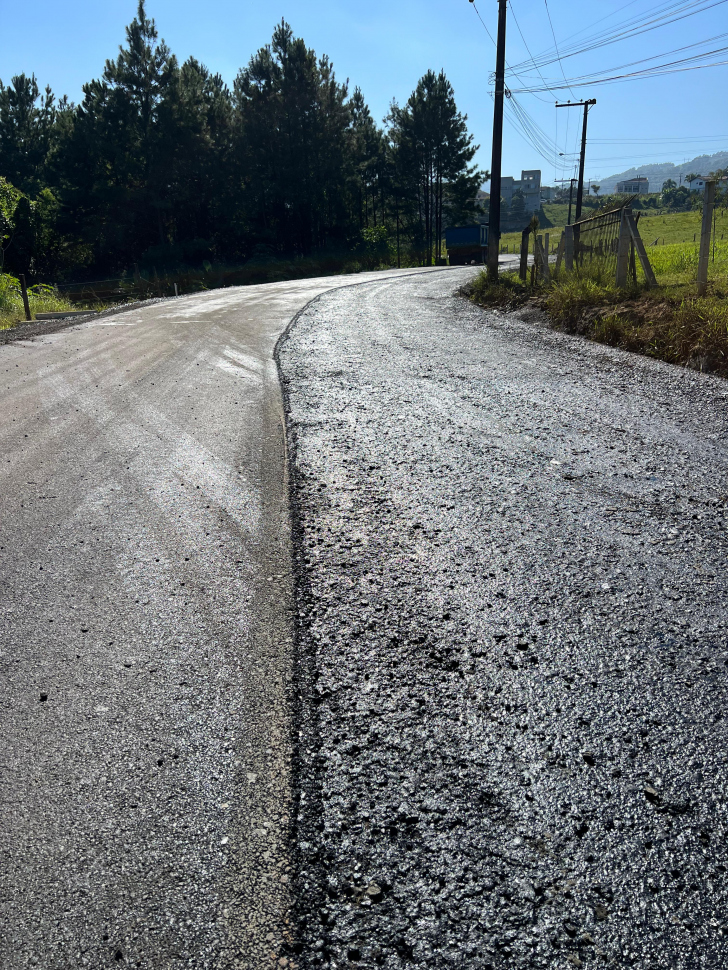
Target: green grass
x,y
668,228
676,264
509,291
42,299
669,322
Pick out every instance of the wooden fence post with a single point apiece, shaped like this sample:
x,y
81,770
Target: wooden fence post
x,y
24,294
641,252
632,262
542,259
707,223
560,251
523,270
625,237
569,248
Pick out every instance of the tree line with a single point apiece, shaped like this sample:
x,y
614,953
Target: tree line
x,y
163,164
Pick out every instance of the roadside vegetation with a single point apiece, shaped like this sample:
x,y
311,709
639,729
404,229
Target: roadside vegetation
x,y
669,322
42,299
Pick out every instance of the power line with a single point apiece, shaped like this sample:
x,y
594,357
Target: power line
x,y
535,135
645,141
483,23
475,8
654,57
678,66
529,128
626,158
671,13
526,45
556,46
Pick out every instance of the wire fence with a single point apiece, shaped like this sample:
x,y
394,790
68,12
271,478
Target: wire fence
x,y
596,242
116,290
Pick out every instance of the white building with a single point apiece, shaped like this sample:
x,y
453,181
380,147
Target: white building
x,y
697,184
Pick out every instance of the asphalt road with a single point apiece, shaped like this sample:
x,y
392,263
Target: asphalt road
x,y
146,638
511,556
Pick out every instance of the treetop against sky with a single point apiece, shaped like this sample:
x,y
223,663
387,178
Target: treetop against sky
x,y
384,47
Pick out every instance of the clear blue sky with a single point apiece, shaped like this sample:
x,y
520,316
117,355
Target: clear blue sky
x,y
385,46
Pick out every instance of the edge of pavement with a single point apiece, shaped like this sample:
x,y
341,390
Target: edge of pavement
x,y
304,732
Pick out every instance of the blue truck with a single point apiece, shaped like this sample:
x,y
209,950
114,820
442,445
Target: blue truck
x,y
466,244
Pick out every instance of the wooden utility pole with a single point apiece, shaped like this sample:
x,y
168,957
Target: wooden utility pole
x,y
571,190
580,189
523,269
495,158
704,256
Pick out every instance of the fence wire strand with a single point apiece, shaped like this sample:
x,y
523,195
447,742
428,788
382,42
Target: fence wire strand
x,y
596,242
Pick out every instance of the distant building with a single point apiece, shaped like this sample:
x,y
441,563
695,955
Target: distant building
x,y
639,185
697,184
529,184
548,193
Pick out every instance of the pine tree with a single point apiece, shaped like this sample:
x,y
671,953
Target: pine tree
x,y
27,118
115,166
291,121
433,155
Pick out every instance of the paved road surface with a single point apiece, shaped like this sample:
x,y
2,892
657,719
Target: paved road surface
x,y
512,550
145,638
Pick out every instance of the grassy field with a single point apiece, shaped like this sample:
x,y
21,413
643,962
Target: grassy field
x,y
665,228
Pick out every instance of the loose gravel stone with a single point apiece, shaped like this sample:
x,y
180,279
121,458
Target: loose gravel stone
x,y
512,642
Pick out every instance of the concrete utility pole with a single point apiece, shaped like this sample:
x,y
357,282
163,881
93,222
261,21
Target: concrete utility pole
x,y
580,190
495,159
704,256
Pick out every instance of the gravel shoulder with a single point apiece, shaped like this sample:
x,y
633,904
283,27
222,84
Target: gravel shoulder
x,y
512,643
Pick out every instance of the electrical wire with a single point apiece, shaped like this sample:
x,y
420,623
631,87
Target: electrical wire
x,y
658,70
621,158
667,14
537,137
495,45
645,60
645,141
556,47
523,123
525,43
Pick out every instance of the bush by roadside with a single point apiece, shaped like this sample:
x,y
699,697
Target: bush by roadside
x,y
42,299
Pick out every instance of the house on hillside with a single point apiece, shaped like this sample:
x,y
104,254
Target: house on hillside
x,y
639,185
697,184
529,184
548,193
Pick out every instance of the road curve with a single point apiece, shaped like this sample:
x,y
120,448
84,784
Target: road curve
x,y
145,637
511,550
